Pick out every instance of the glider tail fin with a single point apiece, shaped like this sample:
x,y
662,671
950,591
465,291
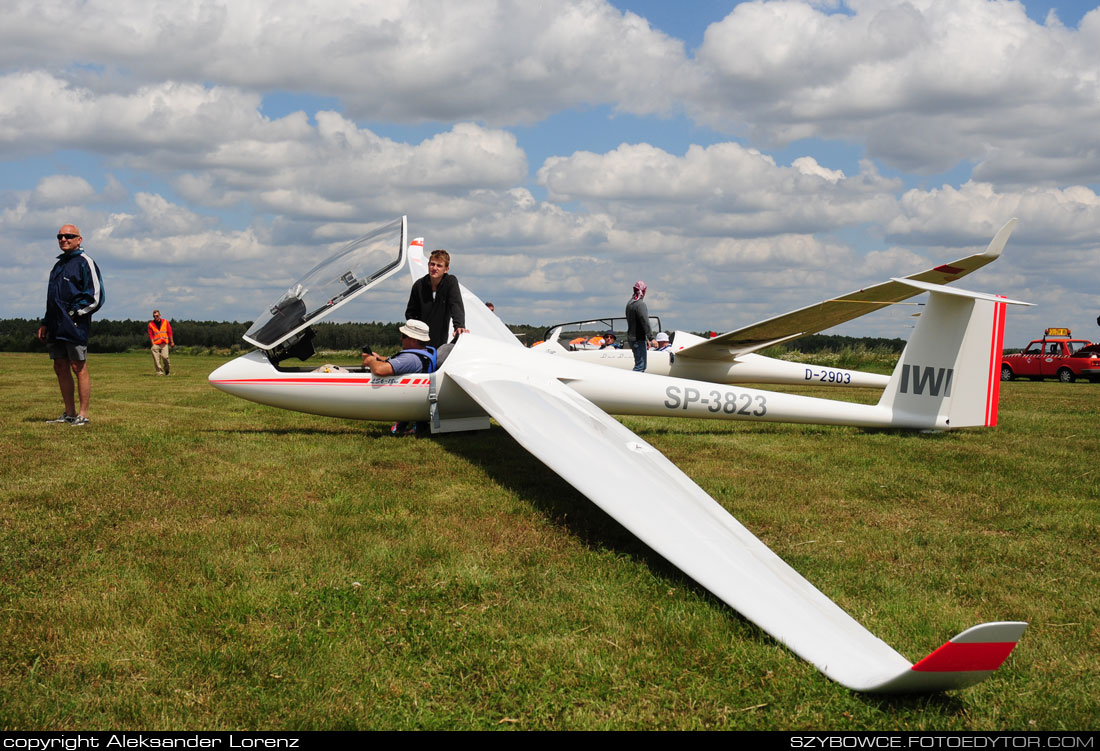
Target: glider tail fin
x,y
949,374
418,264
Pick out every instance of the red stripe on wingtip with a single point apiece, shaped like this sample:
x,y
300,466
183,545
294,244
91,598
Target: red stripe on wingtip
x,y
952,657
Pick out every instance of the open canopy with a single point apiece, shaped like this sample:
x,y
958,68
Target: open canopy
x,y
358,266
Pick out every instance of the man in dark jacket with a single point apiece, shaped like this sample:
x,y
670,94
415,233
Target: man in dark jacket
x,y
75,292
435,299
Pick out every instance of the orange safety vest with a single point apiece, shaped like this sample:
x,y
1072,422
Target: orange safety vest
x,y
159,336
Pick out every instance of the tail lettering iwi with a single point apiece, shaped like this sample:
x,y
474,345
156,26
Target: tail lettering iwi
x,y
927,377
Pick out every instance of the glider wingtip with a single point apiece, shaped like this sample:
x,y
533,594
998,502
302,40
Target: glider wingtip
x,y
981,648
997,244
966,659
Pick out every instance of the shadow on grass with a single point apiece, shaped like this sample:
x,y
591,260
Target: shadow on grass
x,y
510,465
770,428
894,702
349,431
514,468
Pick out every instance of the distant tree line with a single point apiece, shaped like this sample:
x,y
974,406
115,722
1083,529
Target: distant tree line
x,y
815,343
20,335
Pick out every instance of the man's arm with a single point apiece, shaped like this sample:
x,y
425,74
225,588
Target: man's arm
x,y
455,307
89,298
171,339
402,363
378,366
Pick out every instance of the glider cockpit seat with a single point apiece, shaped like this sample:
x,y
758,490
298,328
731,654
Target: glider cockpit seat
x,y
441,355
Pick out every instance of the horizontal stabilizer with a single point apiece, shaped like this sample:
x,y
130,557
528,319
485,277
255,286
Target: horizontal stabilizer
x,y
959,292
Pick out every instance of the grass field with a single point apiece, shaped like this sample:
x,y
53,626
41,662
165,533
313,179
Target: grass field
x,y
191,560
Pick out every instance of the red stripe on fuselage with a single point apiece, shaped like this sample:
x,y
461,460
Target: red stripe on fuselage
x,y
952,657
327,381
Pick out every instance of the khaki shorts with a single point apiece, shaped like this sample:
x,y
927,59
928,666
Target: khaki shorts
x,y
67,351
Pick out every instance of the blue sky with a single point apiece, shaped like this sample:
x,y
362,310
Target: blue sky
x,y
743,158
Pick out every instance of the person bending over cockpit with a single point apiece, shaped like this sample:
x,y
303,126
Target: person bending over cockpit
x,y
437,299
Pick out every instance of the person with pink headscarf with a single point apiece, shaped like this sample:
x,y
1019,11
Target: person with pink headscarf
x,y
637,326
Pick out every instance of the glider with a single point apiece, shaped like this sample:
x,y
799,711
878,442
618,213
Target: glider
x,y
558,409
730,357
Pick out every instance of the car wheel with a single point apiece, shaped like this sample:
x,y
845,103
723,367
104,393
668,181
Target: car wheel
x,y
1065,375
1006,372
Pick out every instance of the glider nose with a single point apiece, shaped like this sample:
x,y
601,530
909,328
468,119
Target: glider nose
x,y
219,375
232,372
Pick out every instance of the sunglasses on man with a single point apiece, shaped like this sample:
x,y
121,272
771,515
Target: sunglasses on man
x,y
67,237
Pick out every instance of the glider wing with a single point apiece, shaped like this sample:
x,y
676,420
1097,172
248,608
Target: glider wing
x,y
829,313
663,507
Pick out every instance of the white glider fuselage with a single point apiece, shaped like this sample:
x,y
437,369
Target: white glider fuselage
x,y
947,378
361,396
747,368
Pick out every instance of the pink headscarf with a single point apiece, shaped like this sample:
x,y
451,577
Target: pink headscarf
x,y
639,290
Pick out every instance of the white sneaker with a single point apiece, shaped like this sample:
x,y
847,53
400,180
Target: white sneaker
x,y
79,422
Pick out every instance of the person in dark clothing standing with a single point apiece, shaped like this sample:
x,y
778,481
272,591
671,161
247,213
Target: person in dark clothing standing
x,y
75,292
637,326
436,300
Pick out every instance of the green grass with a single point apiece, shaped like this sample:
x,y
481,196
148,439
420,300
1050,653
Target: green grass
x,y
191,560
852,357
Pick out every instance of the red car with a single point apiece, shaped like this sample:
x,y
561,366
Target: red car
x,y
1056,355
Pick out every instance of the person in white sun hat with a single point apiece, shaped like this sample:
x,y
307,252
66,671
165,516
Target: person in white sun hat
x,y
415,355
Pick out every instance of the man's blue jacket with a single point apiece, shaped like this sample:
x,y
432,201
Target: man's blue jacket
x,y
75,292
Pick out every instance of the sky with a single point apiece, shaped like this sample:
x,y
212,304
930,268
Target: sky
x,y
744,159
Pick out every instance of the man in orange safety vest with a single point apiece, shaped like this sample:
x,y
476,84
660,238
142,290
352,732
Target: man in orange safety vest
x,y
160,334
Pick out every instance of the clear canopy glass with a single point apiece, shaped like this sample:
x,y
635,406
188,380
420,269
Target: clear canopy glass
x,y
358,266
